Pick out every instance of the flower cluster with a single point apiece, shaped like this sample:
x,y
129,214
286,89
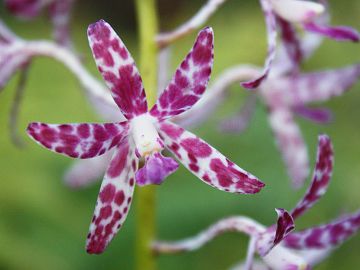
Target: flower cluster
x,y
131,148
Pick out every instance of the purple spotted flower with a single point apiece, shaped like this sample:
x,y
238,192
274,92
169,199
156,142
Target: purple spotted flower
x,y
278,246
284,15
287,92
144,134
58,10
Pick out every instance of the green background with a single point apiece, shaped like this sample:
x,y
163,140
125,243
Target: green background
x,y
43,224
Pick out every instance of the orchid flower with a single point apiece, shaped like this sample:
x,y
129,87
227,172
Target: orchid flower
x,y
287,92
283,14
280,248
287,95
59,12
144,134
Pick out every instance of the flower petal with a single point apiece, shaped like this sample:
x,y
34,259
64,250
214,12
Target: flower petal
x,y
114,198
325,236
310,87
268,240
339,33
271,41
85,172
238,224
291,43
317,115
118,69
206,162
321,177
78,140
155,170
291,144
190,79
297,11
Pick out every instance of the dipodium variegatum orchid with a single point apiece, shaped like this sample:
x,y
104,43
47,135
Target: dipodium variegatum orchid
x,y
279,247
145,133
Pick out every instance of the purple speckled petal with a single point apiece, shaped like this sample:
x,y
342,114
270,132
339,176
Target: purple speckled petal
x,y
114,198
190,79
291,144
271,40
291,43
321,177
156,169
317,115
206,162
78,140
325,236
339,33
269,239
118,69
294,91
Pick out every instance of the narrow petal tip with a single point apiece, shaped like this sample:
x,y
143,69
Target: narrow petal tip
x,y
97,27
285,224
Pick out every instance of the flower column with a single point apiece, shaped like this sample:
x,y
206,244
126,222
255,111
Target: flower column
x,y
145,204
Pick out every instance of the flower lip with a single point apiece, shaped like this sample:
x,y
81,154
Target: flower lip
x,y
156,169
145,135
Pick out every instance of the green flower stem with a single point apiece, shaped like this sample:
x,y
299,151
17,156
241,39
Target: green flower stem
x,y
145,196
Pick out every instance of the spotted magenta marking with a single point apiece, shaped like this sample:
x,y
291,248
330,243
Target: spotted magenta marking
x,y
206,162
114,199
118,69
321,177
190,79
78,140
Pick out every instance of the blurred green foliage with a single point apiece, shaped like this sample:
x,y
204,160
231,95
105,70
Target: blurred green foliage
x,y
43,224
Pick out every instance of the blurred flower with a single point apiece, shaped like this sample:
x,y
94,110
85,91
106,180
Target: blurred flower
x,y
286,95
283,14
286,92
144,134
295,250
59,12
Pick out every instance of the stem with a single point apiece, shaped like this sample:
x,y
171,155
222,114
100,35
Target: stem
x,y
145,205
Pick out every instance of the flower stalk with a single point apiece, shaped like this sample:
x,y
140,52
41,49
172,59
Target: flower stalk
x,y
145,204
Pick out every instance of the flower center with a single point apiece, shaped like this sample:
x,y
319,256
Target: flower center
x,y
145,135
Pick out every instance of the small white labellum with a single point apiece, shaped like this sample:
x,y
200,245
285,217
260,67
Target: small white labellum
x,y
283,258
297,11
145,135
